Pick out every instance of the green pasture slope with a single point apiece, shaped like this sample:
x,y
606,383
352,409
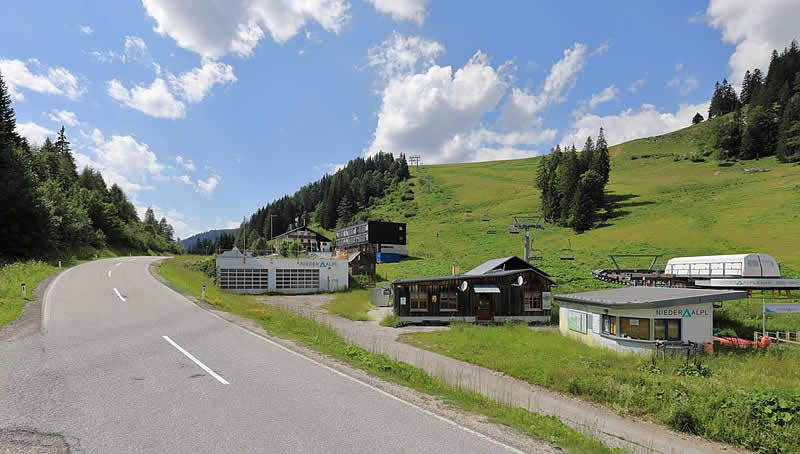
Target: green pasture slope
x,y
663,203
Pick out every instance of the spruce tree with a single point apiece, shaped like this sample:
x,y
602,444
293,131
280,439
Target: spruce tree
x,y
344,213
747,87
697,118
587,155
601,162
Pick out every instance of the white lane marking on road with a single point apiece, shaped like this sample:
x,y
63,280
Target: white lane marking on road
x,y
196,361
109,273
119,295
342,374
118,264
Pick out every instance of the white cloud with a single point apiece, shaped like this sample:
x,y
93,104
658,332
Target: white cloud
x,y
209,184
562,77
155,100
636,85
108,56
630,124
121,160
756,28
605,95
678,67
34,133
329,168
187,164
213,29
195,84
64,117
402,55
685,85
184,179
56,81
439,113
86,30
602,49
135,44
400,10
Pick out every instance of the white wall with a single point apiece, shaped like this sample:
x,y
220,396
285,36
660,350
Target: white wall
x,y
697,324
333,273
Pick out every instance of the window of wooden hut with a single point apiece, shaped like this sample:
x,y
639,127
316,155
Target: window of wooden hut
x,y
532,301
448,301
419,299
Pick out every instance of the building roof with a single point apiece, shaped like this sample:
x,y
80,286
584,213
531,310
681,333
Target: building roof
x,y
320,237
509,263
647,297
463,277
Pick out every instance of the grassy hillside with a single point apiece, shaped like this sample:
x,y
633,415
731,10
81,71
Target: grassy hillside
x,y
663,202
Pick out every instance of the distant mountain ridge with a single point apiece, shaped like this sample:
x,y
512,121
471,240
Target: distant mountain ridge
x,y
210,235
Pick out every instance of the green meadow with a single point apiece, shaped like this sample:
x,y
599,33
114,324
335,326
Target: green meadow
x,y
663,199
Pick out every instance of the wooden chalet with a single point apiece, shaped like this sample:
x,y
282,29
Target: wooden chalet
x,y
498,290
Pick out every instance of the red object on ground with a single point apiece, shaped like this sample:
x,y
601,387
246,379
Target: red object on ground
x,y
733,341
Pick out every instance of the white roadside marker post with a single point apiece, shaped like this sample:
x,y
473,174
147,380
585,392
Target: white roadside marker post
x,y
59,264
24,291
203,297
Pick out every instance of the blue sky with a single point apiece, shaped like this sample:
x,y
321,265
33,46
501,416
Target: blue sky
x,y
207,110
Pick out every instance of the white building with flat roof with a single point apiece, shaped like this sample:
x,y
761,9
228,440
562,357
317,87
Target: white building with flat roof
x,y
245,273
637,319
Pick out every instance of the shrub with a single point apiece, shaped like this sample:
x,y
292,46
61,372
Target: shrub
x,y
683,419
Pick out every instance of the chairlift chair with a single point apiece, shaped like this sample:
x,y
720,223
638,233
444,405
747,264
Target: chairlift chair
x,y
486,217
491,230
513,229
537,254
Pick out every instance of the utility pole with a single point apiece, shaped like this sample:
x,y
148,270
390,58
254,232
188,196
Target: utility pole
x,y
414,160
428,179
271,235
527,223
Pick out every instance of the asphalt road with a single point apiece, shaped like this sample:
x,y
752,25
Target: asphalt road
x,y
124,364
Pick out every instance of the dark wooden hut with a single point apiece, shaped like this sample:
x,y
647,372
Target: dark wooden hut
x,y
499,290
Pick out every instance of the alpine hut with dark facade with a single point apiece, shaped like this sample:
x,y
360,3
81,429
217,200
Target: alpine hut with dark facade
x,y
498,290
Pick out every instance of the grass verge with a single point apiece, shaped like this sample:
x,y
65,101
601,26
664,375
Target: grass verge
x,y
11,276
734,397
352,304
322,339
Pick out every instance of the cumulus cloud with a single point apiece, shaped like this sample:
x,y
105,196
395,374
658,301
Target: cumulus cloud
x,y
155,100
755,28
632,124
121,160
184,179
403,10
36,134
209,184
55,81
213,29
64,117
86,30
439,112
194,85
401,55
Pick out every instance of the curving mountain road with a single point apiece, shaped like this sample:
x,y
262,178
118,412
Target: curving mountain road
x,y
124,364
